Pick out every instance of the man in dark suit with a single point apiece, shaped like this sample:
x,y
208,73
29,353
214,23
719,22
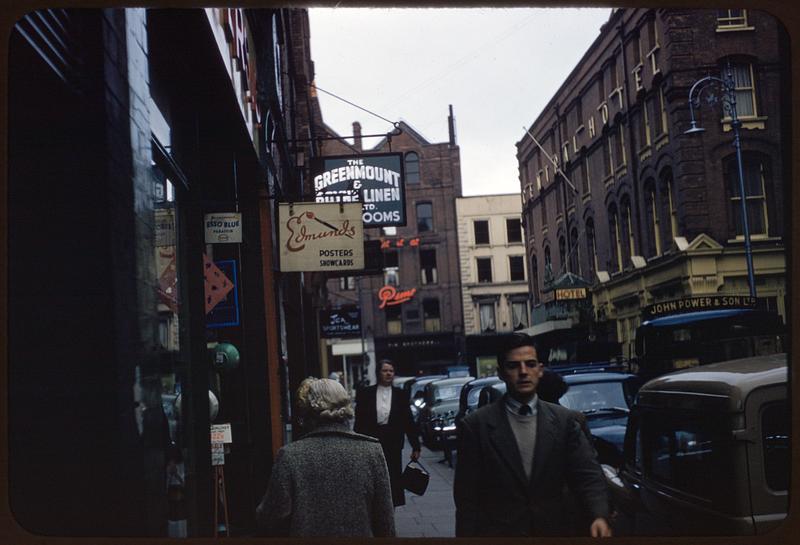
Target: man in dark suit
x,y
516,454
383,412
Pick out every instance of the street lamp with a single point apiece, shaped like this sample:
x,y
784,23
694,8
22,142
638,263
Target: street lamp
x,y
728,88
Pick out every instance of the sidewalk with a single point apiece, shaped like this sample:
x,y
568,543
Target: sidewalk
x,y
431,515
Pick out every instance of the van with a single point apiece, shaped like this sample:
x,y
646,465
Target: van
x,y
706,452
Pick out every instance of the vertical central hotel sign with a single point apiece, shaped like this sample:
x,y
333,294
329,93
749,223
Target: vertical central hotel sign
x,y
375,180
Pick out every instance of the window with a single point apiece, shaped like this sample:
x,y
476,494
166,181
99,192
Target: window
x,y
513,230
548,266
629,233
484,268
562,251
585,175
519,315
616,243
672,208
412,168
390,259
394,320
619,159
535,279
487,321
753,170
775,441
688,452
591,247
516,268
574,261
424,217
742,74
652,40
653,222
729,19
391,276
347,283
544,212
481,230
644,125
607,156
430,314
427,267
601,88
660,117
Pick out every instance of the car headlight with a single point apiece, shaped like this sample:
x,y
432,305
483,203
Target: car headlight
x,y
449,427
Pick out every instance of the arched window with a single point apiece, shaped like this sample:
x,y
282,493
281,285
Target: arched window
x,y
535,279
614,236
412,167
668,189
548,266
574,254
591,247
652,219
628,238
562,252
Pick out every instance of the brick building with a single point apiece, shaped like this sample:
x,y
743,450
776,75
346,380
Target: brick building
x,y
655,213
424,333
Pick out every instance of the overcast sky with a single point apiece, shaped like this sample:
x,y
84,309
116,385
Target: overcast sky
x,y
497,67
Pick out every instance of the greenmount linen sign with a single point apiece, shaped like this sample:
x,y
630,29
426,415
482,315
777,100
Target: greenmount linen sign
x,y
376,180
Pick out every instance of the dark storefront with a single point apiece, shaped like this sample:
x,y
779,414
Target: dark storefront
x,y
120,145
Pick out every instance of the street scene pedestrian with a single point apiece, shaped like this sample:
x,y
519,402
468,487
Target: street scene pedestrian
x,y
383,411
516,454
331,482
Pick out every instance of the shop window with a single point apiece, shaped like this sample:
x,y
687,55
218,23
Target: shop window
x,y
484,268
755,184
519,315
487,317
513,230
347,283
430,311
424,217
411,169
516,268
481,230
427,260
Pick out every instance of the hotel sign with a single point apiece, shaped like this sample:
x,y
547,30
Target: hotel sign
x,y
694,304
568,294
320,237
376,180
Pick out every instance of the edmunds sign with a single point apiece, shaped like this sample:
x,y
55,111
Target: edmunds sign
x,y
376,180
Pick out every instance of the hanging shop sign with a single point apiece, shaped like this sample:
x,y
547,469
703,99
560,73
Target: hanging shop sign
x,y
376,180
693,304
390,296
341,323
223,227
320,237
568,294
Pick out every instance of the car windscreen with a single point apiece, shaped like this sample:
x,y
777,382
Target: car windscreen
x,y
594,396
447,392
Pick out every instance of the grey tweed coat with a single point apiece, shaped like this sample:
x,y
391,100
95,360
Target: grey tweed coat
x,y
332,482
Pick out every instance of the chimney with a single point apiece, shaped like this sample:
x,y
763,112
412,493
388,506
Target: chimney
x,y
357,135
451,124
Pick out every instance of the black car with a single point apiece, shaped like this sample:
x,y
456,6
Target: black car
x,y
437,416
470,395
415,388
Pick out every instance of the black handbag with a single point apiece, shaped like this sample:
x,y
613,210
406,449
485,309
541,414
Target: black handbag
x,y
415,479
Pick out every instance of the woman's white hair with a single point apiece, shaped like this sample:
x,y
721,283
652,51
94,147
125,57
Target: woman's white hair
x,y
323,400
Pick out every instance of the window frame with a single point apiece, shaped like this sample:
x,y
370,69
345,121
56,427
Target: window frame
x,y
475,224
478,261
412,175
518,268
417,208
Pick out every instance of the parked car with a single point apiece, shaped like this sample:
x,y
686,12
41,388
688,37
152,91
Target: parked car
x,y
399,381
605,399
470,394
707,452
415,388
441,405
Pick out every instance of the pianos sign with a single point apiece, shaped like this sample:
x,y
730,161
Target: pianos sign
x,y
376,180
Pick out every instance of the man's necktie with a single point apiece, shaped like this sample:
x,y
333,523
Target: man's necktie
x,y
525,410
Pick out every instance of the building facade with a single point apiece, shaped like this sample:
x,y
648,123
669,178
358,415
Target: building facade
x,y
494,287
618,195
410,310
144,148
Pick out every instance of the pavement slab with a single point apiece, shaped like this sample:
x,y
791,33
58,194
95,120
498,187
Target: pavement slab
x,y
434,513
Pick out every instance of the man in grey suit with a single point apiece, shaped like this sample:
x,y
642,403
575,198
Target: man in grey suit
x,y
515,455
